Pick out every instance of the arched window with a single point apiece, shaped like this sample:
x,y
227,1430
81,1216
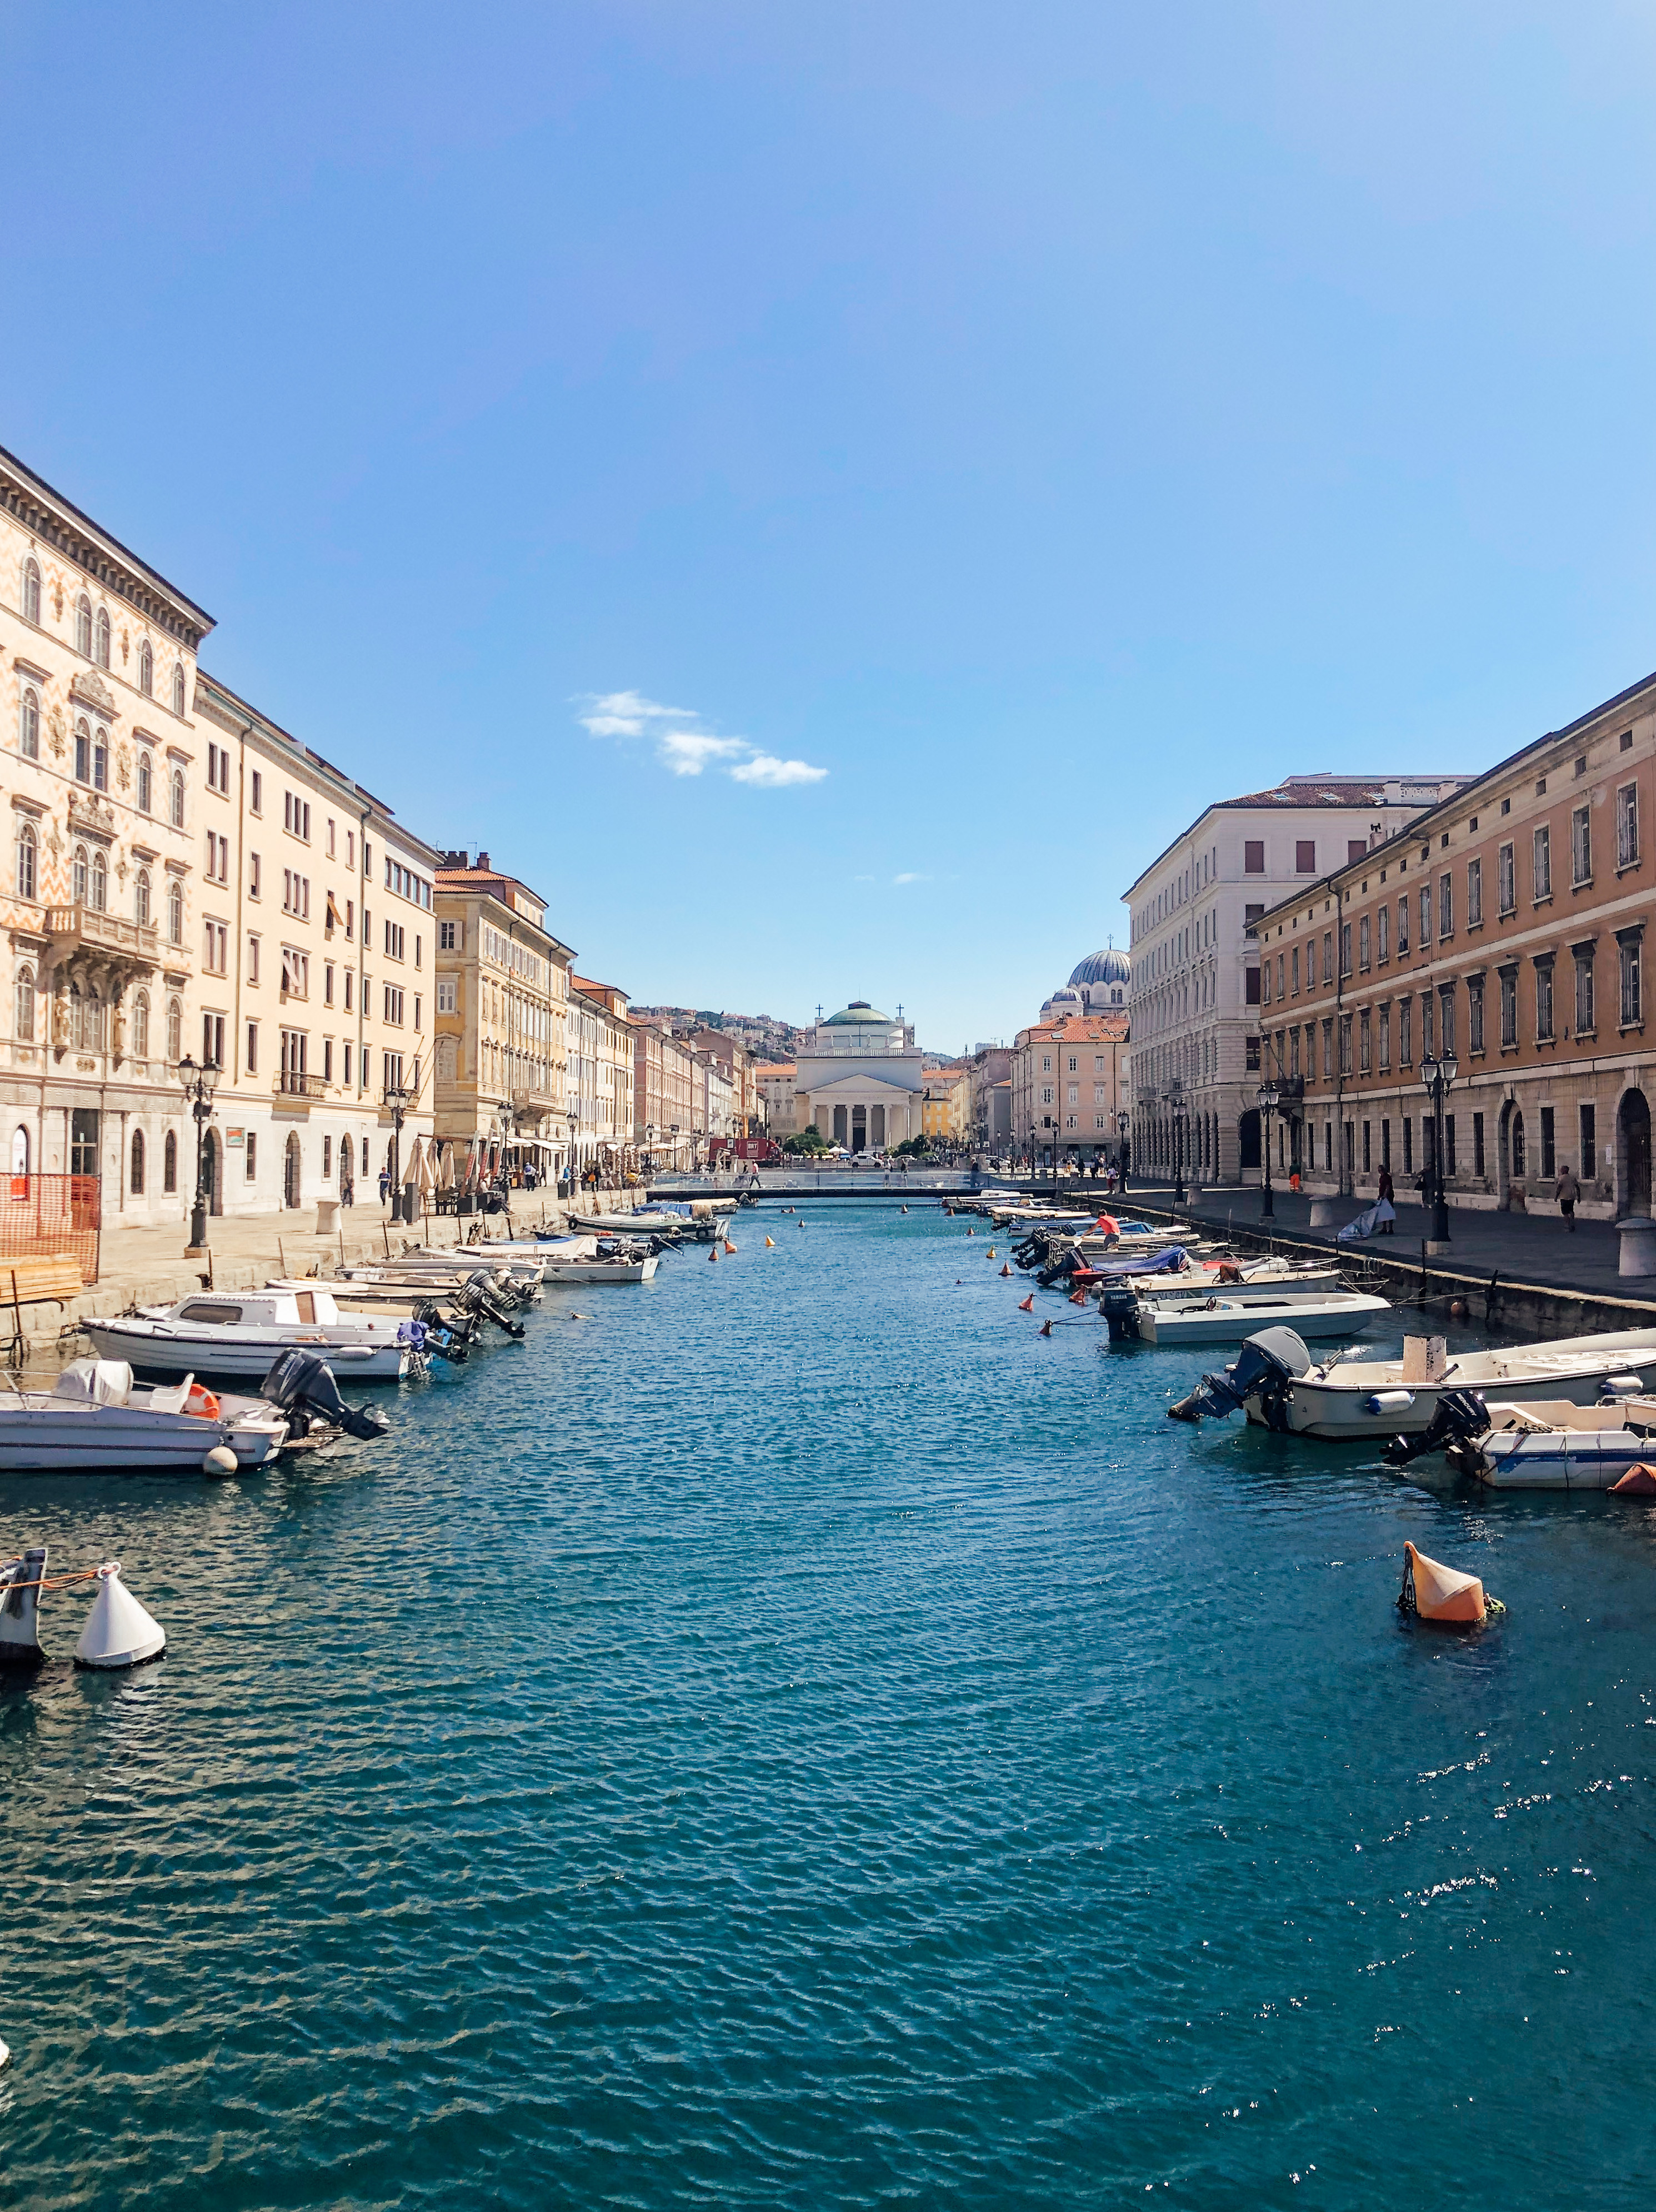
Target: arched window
x,y
178,688
25,1005
100,638
32,592
80,876
146,783
177,799
141,897
85,1019
83,753
146,668
138,1163
100,759
140,1026
29,736
175,1036
83,625
28,853
169,1162
174,921
99,883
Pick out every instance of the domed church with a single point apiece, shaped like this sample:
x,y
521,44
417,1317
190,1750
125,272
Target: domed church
x,y
1098,985
860,1078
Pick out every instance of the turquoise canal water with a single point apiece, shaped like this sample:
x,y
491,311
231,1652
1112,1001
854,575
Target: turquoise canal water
x,y
796,1740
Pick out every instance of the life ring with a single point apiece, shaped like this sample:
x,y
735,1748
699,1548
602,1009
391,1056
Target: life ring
x,y
202,1405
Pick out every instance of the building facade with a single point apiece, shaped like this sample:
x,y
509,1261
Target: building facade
x,y
102,885
663,1095
600,1075
738,1064
1505,931
774,1084
1069,1085
860,1078
501,1049
1195,978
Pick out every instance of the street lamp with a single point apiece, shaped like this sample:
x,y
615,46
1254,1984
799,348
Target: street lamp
x,y
672,1131
200,1084
1268,1095
1436,1079
1175,1105
395,1097
575,1123
1123,1123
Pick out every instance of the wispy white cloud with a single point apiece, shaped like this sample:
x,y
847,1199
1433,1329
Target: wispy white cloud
x,y
774,774
683,745
910,876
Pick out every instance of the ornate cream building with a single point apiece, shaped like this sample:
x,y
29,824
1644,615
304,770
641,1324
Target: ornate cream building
x,y
860,1078
600,1082
503,1014
101,880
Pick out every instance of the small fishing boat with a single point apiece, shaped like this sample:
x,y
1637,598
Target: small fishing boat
x,y
629,1265
1545,1444
1275,1380
240,1336
1317,1316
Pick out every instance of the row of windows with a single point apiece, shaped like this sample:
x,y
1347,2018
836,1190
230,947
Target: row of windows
x,y
92,758
92,636
1374,1155
87,1014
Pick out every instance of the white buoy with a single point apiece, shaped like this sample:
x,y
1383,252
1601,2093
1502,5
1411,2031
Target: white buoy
x,y
220,1460
119,1632
5,2056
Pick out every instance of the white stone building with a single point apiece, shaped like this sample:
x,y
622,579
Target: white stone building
x,y
860,1078
1195,988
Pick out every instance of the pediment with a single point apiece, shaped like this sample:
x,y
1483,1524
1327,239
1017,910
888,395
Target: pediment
x,y
87,684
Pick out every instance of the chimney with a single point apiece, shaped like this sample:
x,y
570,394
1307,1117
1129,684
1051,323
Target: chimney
x,y
483,863
453,860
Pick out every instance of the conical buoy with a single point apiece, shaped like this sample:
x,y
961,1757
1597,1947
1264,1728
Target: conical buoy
x,y
971,1233
1005,1269
905,1209
713,1252
728,1246
1439,1593
1638,1482
1045,1329
119,1632
1027,1305
771,1242
1078,1297
991,1251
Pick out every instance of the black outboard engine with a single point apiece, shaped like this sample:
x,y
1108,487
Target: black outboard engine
x,y
1120,1306
1461,1415
303,1387
440,1338
1265,1368
480,1298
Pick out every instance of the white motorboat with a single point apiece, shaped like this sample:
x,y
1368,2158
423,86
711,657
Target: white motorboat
x,y
1224,1317
240,1335
621,1269
1275,1380
96,1420
1547,1443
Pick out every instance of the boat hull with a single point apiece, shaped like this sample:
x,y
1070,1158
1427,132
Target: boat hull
x,y
599,1270
1232,1319
66,1438
1341,1412
168,1357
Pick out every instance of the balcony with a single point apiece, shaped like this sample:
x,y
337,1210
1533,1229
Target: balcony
x,y
294,1083
130,945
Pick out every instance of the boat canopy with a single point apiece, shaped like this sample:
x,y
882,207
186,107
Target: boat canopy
x,y
95,1382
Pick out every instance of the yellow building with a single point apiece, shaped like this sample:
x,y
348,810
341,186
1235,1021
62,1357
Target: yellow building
x,y
501,1020
946,1103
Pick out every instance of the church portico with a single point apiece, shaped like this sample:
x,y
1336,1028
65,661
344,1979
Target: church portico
x,y
860,1080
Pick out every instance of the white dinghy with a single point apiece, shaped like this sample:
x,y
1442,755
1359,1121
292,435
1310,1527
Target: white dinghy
x,y
239,1336
1223,1317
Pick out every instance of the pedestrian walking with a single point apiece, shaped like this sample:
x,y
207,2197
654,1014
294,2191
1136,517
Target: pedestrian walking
x,y
1387,1228
1567,1190
385,1184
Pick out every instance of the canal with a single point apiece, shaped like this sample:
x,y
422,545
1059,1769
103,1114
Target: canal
x,y
794,1738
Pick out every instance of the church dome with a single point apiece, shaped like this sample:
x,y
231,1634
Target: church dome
x,y
1107,966
1064,1001
858,1012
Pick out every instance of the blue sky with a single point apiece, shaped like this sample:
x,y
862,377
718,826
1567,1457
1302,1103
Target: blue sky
x,y
985,435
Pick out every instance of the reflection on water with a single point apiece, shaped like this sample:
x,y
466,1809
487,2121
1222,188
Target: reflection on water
x,y
797,1740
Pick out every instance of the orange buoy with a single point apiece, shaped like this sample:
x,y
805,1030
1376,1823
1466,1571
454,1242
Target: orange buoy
x,y
1439,1593
713,1252
991,1251
771,1242
1027,1305
1638,1482
971,1233
1045,1329
728,1246
1005,1269
1078,1297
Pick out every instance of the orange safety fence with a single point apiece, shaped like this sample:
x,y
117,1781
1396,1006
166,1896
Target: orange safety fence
x,y
43,1216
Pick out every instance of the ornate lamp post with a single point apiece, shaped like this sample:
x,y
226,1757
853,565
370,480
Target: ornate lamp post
x,y
1436,1079
575,1124
1123,1123
1175,1105
395,1097
1268,1095
672,1131
648,1161
200,1084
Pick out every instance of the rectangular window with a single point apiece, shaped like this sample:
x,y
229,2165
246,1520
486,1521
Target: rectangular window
x,y
1293,1051
1587,1166
1508,1008
446,937
1585,1013
1425,937
1385,1040
348,982
1627,826
1363,947
1405,1050
1477,1144
1541,866
393,1012
1345,1045
1449,1144
1506,881
1345,948
1386,1142
1426,1024
257,802
252,875
1253,856
253,1047
1474,893
446,995
327,983
1447,1018
1382,932
1408,1145
347,1064
212,1040
1250,986
1250,1054
216,957
1475,1014
330,856
1304,856
418,1023
393,941
1580,847
1543,1001
1356,848
296,973
1549,1148
252,960
295,817
1367,1161
1364,1061
250,1158
1295,971
1402,927
327,1069
1632,984
1280,975
1446,906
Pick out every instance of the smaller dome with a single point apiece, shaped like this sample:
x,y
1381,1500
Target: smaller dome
x,y
1063,1000
859,1011
1106,967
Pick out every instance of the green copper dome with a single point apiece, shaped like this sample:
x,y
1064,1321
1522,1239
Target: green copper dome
x,y
858,1012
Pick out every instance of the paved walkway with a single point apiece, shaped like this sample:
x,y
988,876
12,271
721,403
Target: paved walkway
x,y
1523,1248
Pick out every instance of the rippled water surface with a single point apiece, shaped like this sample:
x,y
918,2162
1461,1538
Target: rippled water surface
x,y
796,1739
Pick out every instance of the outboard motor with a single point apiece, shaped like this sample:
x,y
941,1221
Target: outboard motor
x,y
1120,1306
19,1609
450,1338
1461,1415
1265,1368
479,1298
303,1387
